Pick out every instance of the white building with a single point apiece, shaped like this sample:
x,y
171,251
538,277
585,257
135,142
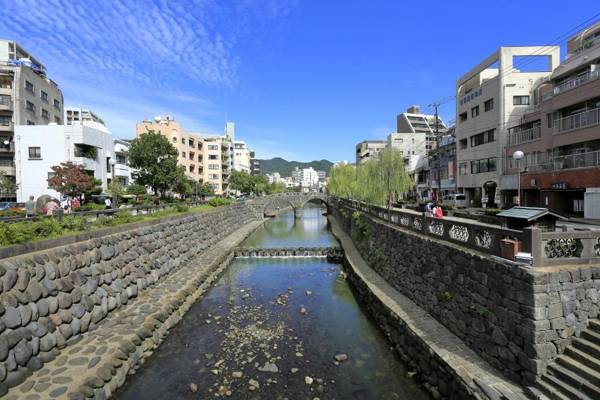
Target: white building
x,y
242,160
309,178
39,147
408,144
368,149
490,98
275,177
415,122
122,170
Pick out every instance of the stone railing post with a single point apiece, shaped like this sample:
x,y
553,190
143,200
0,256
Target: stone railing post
x,y
532,241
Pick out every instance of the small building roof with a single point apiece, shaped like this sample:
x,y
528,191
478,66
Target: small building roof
x,y
528,213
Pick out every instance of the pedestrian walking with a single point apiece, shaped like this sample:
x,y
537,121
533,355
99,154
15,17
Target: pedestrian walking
x,y
108,203
30,207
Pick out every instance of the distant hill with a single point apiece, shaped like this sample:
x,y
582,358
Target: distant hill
x,y
285,167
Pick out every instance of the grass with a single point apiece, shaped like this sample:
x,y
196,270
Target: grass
x,y
48,228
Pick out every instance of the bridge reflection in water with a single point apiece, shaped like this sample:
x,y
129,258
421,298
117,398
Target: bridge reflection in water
x,y
278,323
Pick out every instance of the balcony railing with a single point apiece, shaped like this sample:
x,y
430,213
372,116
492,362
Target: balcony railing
x,y
577,81
577,121
527,135
571,161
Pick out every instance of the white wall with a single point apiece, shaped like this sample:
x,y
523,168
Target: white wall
x,y
57,145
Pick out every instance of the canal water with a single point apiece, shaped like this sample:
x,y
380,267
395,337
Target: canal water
x,y
272,328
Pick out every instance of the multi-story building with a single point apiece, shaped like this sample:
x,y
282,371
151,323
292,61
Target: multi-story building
x,y
39,147
27,97
408,144
368,149
490,98
442,162
242,159
414,122
254,164
73,114
123,172
309,178
205,158
560,135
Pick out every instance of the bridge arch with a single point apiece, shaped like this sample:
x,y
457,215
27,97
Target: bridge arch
x,y
296,200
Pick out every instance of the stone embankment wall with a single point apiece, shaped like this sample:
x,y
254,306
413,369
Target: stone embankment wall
x,y
516,319
49,298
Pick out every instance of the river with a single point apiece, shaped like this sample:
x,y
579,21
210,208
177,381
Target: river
x,y
271,329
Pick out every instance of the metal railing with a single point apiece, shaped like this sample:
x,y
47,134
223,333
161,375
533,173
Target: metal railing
x,y
577,121
524,136
95,214
576,81
571,161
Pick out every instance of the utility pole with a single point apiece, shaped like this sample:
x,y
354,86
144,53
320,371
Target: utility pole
x,y
437,152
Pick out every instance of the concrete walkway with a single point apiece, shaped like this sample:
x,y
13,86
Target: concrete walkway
x,y
96,363
476,374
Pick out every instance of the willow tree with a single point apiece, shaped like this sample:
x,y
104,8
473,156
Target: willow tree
x,y
342,181
394,177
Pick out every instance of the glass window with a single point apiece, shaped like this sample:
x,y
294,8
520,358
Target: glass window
x,y
521,100
29,86
45,114
474,111
35,153
5,120
44,96
30,106
56,103
489,104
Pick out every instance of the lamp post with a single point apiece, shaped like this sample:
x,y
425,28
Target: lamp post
x,y
113,194
518,156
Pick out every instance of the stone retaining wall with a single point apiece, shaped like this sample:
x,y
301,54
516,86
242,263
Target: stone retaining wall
x,y
48,298
515,318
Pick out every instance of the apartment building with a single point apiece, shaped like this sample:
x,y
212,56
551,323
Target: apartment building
x,y
422,125
368,149
27,97
490,98
409,144
242,157
123,172
442,162
205,158
39,147
560,135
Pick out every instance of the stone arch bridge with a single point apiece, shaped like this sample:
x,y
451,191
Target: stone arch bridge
x,y
269,206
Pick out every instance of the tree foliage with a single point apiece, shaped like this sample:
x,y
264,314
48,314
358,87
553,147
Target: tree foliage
x,y
379,181
253,184
70,179
136,189
155,160
206,189
8,186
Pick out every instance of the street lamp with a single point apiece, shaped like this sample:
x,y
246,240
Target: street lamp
x,y
518,156
112,162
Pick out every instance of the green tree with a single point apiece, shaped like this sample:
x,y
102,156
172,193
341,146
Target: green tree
x,y
155,160
136,189
70,179
183,185
242,182
8,186
206,189
393,175
342,181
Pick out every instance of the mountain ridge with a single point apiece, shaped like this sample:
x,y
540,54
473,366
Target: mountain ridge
x,y
285,167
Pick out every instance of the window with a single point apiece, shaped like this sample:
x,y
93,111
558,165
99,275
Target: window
x,y
29,86
4,99
213,166
174,140
121,158
474,111
212,157
56,104
191,142
213,147
30,122
213,176
192,155
488,105
44,96
57,119
30,106
182,140
463,143
463,117
552,118
183,154
45,114
191,168
483,138
520,100
35,153
413,140
483,165
5,120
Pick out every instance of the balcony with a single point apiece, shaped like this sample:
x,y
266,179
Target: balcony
x,y
577,121
577,81
6,103
572,161
6,127
7,166
524,136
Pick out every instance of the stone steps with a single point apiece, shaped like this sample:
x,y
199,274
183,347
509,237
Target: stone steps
x,y
576,373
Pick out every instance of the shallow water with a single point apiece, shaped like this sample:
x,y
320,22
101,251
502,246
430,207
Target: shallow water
x,y
289,315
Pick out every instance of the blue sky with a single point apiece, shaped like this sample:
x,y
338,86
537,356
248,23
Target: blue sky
x,y
302,80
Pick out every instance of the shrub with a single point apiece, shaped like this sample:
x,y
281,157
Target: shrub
x,y
182,208
218,201
73,223
492,211
11,213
